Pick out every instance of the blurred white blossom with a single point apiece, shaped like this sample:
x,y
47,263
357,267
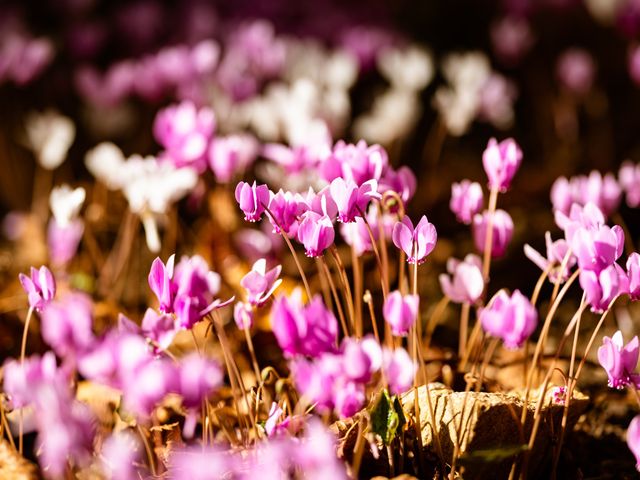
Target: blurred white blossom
x,y
66,203
50,135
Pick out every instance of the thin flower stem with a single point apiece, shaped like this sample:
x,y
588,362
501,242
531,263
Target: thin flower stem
x,y
369,301
5,427
539,283
347,287
336,299
357,284
488,241
252,353
542,338
326,293
558,280
147,448
23,351
376,253
293,251
358,449
383,250
439,309
464,328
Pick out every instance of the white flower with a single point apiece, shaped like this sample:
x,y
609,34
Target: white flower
x,y
393,115
66,203
407,69
105,162
50,135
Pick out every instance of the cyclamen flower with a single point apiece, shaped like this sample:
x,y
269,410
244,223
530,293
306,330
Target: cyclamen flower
x,y
556,252
231,155
603,191
402,181
21,381
261,284
466,283
629,180
350,199
501,162
399,370
40,287
511,318
415,243
198,377
633,439
185,132
633,274
252,200
147,384
588,216
303,329
67,324
619,360
502,232
50,135
159,329
243,315
597,248
576,70
65,228
602,287
466,200
120,454
358,163
401,312
316,233
362,358
286,208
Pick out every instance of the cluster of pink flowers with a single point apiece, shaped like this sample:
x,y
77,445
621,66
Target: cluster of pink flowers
x,y
22,56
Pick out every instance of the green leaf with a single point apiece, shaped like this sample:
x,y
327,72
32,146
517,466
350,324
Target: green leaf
x,y
493,455
386,417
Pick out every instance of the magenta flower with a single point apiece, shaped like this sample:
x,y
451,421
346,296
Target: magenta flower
x,y
316,233
63,240
602,287
466,283
576,70
231,155
161,284
243,315
629,181
633,275
358,163
159,329
361,358
556,251
40,287
316,380
597,248
349,398
21,381
399,370
502,232
67,324
252,200
619,360
198,378
402,181
415,243
510,318
261,284
121,453
147,384
588,216
286,208
466,200
303,329
401,312
633,439
350,199
501,162
185,132
603,191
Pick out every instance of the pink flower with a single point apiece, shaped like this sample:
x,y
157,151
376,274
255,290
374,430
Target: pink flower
x,y
619,360
502,232
252,200
316,233
401,312
121,453
512,319
147,384
597,248
63,240
556,251
231,155
501,162
67,324
185,132
415,243
468,283
161,284
633,439
21,381
402,181
633,63
243,315
633,274
349,398
602,287
350,199
286,208
159,329
576,70
399,370
198,377
466,200
303,329
361,358
358,163
629,181
259,283
40,287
